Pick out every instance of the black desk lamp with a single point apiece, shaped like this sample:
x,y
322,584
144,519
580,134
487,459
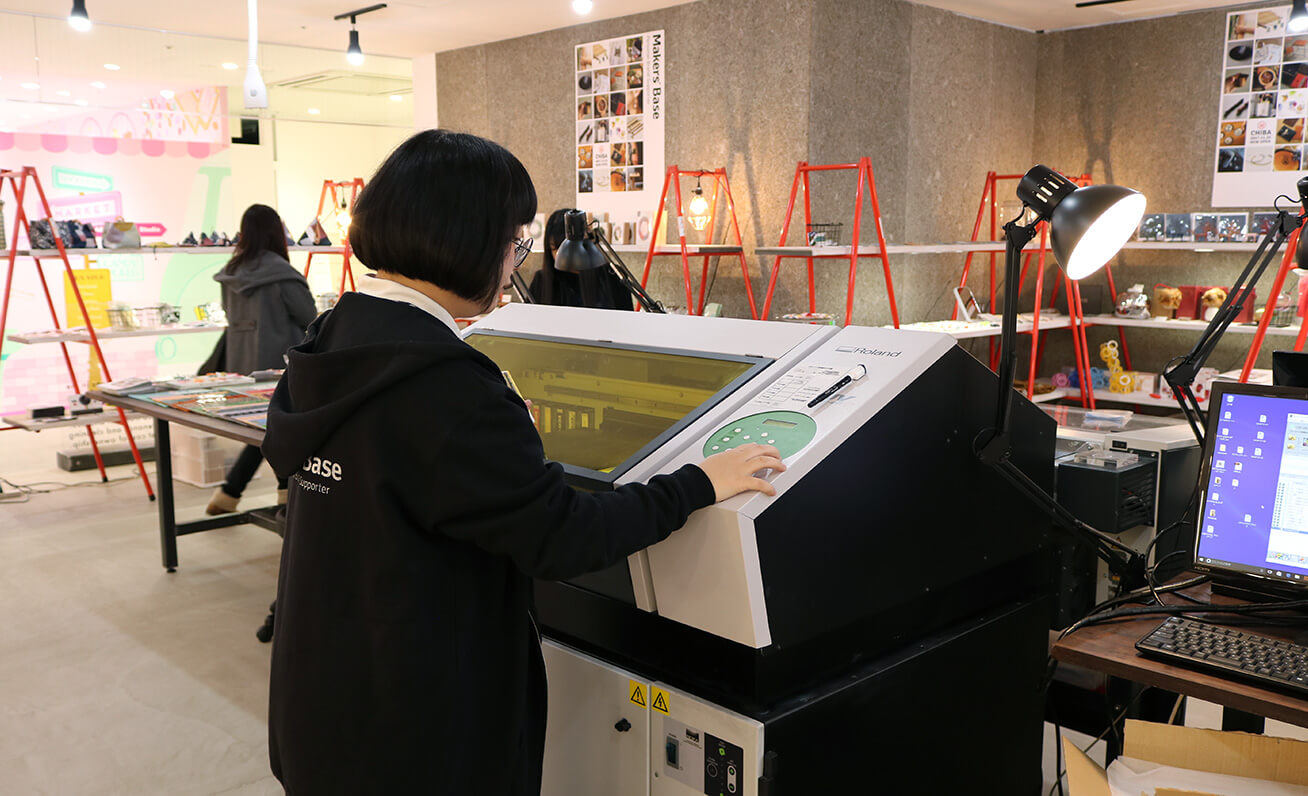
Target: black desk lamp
x,y
1087,227
586,249
1181,377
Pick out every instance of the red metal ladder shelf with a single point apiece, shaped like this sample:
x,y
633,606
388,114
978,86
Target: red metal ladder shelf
x,y
707,250
1072,290
801,181
338,200
18,181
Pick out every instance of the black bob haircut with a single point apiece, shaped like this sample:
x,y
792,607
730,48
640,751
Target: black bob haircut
x,y
443,208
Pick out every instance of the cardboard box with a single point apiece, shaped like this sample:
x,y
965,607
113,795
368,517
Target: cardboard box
x,y
1229,754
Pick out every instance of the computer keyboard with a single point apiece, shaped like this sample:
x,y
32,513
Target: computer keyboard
x,y
1268,662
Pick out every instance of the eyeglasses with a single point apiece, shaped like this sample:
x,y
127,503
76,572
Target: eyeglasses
x,y
521,248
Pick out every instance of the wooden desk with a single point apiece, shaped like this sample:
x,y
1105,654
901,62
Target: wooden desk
x,y
169,527
1110,648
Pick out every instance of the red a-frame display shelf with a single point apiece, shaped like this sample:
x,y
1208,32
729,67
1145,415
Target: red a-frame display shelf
x,y
337,191
19,181
707,250
1287,263
855,251
990,202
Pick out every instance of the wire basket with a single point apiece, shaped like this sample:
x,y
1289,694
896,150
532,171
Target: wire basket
x,y
122,318
825,234
149,317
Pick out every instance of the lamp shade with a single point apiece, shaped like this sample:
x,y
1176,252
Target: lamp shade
x,y
577,253
1087,225
1090,226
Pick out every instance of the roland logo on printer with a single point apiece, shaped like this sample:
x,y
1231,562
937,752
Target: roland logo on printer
x,y
874,352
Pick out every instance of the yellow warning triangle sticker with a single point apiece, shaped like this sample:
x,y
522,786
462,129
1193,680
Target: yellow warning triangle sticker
x,y
660,700
637,694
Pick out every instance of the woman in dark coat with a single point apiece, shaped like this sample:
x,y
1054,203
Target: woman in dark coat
x,y
598,289
405,658
268,307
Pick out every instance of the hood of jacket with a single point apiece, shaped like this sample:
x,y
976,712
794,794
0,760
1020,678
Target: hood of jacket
x,y
362,347
265,269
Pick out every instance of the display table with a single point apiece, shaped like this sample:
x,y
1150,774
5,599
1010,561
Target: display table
x,y
1110,648
169,527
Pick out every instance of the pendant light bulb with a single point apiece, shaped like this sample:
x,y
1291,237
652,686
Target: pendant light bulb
x,y
699,208
78,19
354,53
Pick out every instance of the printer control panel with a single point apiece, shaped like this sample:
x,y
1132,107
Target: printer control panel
x,y
789,432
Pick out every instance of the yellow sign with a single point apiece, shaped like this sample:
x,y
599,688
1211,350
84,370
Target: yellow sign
x,y
94,285
660,702
637,693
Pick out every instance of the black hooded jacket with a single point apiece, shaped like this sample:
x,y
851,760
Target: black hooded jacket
x,y
405,658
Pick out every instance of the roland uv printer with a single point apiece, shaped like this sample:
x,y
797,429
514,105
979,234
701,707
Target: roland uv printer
x,y
880,625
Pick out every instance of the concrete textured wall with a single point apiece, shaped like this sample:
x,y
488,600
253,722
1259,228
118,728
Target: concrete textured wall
x,y
1112,114
934,99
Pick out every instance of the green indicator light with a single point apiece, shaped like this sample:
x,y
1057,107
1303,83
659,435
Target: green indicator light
x,y
722,752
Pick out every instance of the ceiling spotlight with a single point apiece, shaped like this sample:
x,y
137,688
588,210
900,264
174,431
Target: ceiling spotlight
x,y
97,84
81,102
63,93
77,18
314,111
397,98
31,86
229,66
354,53
112,67
582,6
167,93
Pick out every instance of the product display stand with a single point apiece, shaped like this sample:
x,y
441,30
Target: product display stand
x,y
708,249
337,192
19,181
855,251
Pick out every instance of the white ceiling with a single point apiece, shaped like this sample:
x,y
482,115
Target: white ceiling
x,y
404,28
1050,15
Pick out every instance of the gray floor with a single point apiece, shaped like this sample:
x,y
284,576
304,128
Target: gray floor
x,y
116,677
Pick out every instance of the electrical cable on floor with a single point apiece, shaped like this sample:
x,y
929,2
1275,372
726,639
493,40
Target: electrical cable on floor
x,y
34,488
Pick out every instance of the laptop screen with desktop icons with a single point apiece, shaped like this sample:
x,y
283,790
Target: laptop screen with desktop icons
x,y
1253,521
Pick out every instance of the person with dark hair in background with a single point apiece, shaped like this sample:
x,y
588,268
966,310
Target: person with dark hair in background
x,y
405,657
598,288
268,306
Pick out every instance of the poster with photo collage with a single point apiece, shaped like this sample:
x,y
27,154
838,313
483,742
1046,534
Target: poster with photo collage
x,y
1259,133
619,112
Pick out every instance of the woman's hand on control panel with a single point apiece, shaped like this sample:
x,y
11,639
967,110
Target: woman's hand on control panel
x,y
733,471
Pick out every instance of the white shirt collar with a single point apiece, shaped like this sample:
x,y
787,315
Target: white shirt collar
x,y
375,286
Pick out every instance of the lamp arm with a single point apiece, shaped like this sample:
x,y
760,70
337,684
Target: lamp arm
x,y
1181,376
994,447
1120,557
1017,237
620,270
520,287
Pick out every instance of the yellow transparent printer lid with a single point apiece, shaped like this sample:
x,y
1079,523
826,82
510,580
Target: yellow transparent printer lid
x,y
600,407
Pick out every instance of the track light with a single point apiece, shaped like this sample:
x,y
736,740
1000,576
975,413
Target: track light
x,y
77,18
354,53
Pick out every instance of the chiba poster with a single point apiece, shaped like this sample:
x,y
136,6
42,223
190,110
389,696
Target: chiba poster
x,y
620,111
1259,129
